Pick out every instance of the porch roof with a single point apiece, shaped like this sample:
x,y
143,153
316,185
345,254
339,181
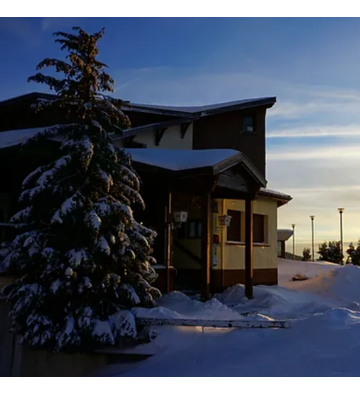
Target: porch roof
x,y
281,198
194,162
284,234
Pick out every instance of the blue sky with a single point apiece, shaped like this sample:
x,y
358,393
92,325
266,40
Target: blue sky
x,y
311,65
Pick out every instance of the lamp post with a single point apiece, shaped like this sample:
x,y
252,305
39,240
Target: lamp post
x,y
293,228
312,237
341,210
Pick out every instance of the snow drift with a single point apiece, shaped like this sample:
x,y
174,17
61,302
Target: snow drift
x,y
323,339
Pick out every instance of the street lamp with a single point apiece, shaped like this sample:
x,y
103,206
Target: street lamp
x,y
293,228
341,210
312,236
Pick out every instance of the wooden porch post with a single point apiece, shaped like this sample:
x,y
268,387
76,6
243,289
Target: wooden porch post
x,y
168,217
249,264
206,245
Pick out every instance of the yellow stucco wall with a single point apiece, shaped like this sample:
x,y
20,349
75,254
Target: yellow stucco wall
x,y
233,254
265,255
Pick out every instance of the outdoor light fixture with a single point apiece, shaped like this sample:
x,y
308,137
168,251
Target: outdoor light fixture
x,y
224,221
180,217
341,210
312,237
293,228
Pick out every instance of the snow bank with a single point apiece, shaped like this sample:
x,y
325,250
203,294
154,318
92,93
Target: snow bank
x,y
178,305
157,312
323,339
325,344
287,269
272,302
341,285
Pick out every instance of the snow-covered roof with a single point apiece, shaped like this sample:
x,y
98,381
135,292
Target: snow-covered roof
x,y
275,194
28,96
16,137
177,160
201,110
205,109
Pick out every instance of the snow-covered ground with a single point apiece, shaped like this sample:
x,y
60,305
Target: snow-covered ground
x,y
323,340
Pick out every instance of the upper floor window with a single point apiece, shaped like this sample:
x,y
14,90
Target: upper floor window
x,y
248,123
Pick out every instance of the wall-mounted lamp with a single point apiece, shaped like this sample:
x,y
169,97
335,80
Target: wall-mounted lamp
x,y
224,221
180,217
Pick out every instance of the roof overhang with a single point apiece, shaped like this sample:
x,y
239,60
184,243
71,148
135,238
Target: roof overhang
x,y
153,127
180,111
284,234
280,197
179,115
31,97
228,171
202,111
187,163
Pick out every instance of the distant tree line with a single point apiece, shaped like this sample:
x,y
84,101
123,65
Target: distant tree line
x,y
306,254
353,254
331,252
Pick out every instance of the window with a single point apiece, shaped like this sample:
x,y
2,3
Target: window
x,y
248,123
259,228
194,229
234,230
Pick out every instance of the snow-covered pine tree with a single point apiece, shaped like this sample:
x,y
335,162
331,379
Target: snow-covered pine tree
x,y
82,260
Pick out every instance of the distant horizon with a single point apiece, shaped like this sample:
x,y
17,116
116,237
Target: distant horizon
x,y
299,247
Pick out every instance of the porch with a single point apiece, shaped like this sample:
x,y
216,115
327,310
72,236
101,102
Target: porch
x,y
191,182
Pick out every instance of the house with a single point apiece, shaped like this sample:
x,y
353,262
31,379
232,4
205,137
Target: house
x,y
201,167
283,236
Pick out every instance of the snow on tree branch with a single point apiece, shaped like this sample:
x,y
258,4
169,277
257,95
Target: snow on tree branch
x,y
82,260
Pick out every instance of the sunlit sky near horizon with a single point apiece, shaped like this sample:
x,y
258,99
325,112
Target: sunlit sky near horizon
x,y
311,65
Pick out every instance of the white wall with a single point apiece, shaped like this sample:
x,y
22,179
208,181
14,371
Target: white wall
x,y
170,140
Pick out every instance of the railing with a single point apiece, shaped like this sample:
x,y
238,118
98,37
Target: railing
x,y
209,323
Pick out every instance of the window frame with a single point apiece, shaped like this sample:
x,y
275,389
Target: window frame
x,y
238,213
198,229
257,240
245,125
